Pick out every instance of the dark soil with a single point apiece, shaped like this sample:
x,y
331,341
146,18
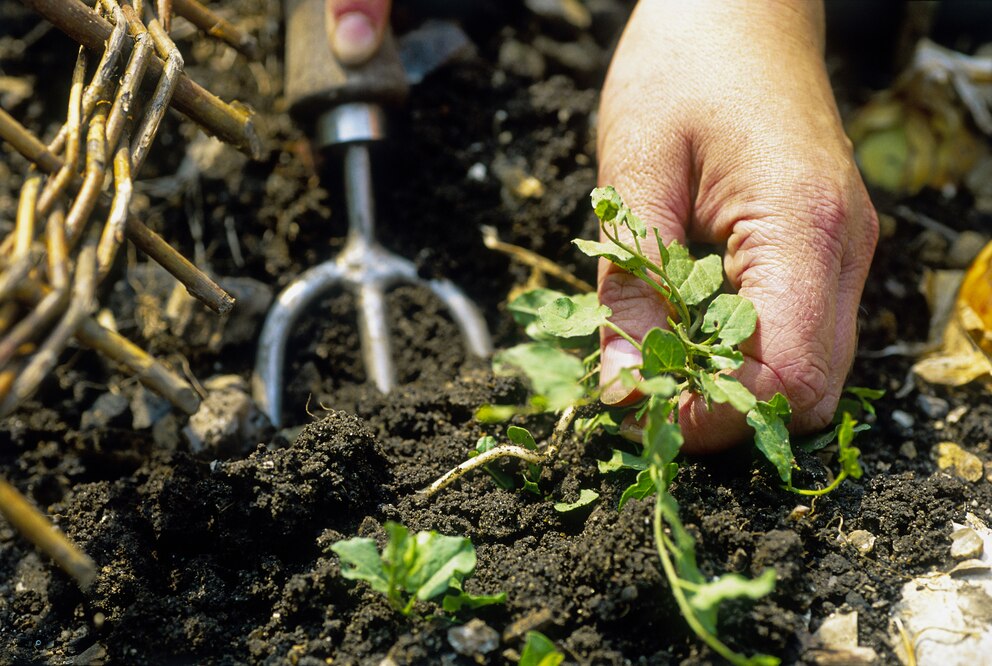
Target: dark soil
x,y
226,562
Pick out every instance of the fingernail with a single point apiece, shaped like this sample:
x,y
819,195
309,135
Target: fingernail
x,y
617,355
354,39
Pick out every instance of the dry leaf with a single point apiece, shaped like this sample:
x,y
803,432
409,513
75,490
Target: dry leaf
x,y
966,351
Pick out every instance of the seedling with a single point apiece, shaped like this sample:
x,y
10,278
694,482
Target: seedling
x,y
414,567
539,650
692,354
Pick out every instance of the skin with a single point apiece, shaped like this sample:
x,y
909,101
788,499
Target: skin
x,y
718,125
355,28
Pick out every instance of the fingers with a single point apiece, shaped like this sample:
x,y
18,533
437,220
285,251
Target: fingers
x,y
355,28
803,268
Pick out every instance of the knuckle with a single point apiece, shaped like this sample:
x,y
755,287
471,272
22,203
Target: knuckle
x,y
806,384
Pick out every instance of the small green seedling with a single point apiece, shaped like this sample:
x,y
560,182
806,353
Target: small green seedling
x,y
539,650
414,567
690,355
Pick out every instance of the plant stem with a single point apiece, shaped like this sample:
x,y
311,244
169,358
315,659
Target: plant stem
x,y
822,491
623,334
679,593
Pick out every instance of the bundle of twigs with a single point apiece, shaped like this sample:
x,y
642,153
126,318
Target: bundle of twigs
x,y
73,213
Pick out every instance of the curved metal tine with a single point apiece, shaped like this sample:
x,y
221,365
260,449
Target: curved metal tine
x,y
374,333
267,378
466,315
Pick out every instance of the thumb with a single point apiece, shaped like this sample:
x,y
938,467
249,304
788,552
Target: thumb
x,y
355,28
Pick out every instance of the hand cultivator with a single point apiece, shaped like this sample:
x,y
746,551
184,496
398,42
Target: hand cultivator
x,y
346,103
54,259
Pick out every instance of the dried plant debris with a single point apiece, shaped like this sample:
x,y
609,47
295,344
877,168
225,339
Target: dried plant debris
x,y
917,133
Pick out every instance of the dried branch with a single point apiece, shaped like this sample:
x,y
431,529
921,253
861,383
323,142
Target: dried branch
x,y
232,123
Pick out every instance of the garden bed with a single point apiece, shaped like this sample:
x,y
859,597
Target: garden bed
x,y
225,561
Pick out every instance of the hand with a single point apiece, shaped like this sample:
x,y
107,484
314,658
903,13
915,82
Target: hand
x,y
355,28
718,124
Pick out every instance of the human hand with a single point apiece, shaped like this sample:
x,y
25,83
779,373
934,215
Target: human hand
x,y
718,124
355,28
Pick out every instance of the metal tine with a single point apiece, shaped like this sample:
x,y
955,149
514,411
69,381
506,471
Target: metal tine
x,y
369,268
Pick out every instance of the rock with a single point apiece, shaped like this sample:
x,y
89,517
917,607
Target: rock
x,y
475,638
571,12
957,414
903,419
955,603
147,408
228,424
200,327
108,409
966,544
959,462
932,406
837,643
582,57
477,172
965,248
521,59
908,449
862,540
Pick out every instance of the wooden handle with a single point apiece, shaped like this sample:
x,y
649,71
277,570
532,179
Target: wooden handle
x,y
316,81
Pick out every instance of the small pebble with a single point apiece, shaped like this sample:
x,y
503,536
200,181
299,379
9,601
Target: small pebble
x,y
959,462
932,406
903,419
957,414
966,544
478,172
473,638
908,449
862,540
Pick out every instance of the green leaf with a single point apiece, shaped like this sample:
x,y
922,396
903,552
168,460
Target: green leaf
x,y
621,460
770,436
724,358
436,560
696,280
461,600
610,251
360,561
571,318
817,441
661,351
586,497
496,413
641,488
606,202
731,586
663,386
539,651
525,306
848,455
502,479
866,396
551,372
662,438
724,388
731,317
521,437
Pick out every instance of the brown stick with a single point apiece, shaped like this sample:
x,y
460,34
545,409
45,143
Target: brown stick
x,y
36,526
58,183
196,281
232,123
155,109
206,20
27,144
